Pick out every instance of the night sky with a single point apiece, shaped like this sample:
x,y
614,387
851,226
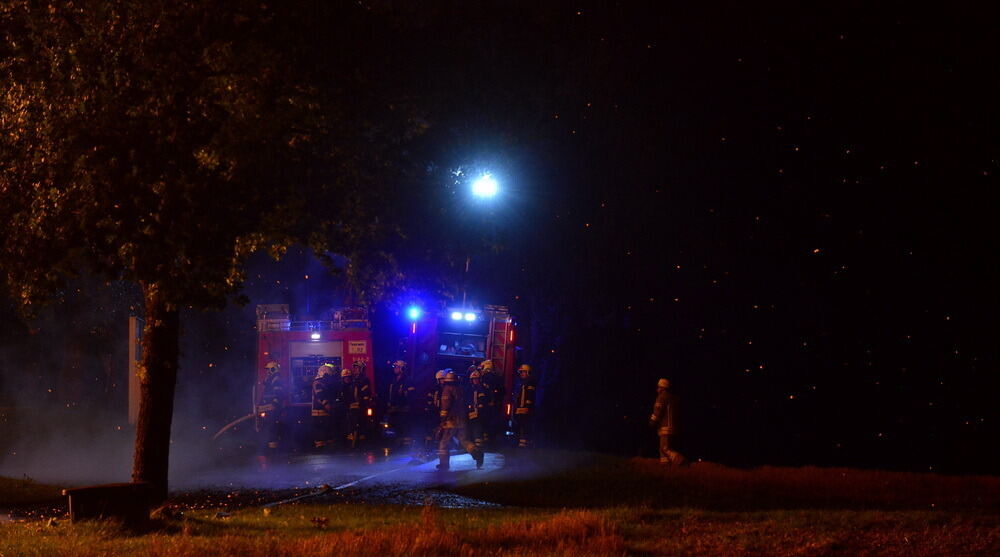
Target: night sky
x,y
787,213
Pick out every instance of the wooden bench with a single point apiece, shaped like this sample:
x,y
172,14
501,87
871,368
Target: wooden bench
x,y
128,502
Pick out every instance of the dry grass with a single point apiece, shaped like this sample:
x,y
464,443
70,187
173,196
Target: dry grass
x,y
795,533
421,532
370,531
594,505
570,480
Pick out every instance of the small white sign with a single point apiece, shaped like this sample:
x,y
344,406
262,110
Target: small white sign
x,y
357,347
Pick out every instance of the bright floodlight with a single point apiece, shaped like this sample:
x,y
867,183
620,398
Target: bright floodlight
x,y
485,186
456,315
470,316
314,336
413,313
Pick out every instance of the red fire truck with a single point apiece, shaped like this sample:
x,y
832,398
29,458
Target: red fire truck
x,y
455,338
300,347
458,338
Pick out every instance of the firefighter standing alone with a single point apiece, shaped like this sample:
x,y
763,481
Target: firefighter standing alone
x,y
401,395
354,399
358,372
274,398
524,410
453,423
324,411
478,408
664,419
492,418
432,411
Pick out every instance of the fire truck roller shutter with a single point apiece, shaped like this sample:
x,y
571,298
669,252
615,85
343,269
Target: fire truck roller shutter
x,y
331,349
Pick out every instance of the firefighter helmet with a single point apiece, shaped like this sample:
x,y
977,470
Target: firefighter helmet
x,y
475,375
439,375
486,366
325,369
450,377
345,373
399,363
272,365
525,368
663,384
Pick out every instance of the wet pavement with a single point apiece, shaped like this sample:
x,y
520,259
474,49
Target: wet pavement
x,y
345,478
363,477
339,471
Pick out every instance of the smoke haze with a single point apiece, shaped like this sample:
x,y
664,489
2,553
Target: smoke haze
x,y
64,378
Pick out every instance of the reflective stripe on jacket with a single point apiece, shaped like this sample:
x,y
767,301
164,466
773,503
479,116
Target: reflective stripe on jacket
x,y
401,394
478,401
325,392
664,411
452,406
525,398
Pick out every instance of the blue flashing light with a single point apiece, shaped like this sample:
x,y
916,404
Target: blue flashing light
x,y
470,316
414,313
456,315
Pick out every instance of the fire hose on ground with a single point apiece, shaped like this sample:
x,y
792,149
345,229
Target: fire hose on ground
x,y
233,423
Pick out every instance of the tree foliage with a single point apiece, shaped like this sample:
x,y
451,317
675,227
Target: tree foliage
x,y
164,142
167,141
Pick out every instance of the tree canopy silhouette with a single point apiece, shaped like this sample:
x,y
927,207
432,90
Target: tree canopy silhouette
x,y
165,142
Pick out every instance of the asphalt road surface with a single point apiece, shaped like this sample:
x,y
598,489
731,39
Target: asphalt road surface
x,y
363,470
374,477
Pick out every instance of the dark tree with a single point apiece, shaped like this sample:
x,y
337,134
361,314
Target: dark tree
x,y
164,142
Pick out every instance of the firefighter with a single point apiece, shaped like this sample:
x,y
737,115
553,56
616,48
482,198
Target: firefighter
x,y
453,416
358,369
524,409
325,392
664,418
401,395
274,398
477,408
493,415
354,399
432,408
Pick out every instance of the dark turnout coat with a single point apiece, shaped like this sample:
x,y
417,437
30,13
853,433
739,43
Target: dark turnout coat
x,y
453,406
664,413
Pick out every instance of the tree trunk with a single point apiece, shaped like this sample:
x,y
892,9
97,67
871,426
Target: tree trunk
x,y
157,380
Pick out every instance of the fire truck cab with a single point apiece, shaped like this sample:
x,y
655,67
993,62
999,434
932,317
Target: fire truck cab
x,y
299,348
458,338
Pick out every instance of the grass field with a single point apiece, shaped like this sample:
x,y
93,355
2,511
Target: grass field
x,y
586,480
572,504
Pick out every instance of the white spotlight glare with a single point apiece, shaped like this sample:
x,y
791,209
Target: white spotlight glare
x,y
470,316
314,336
485,186
456,315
